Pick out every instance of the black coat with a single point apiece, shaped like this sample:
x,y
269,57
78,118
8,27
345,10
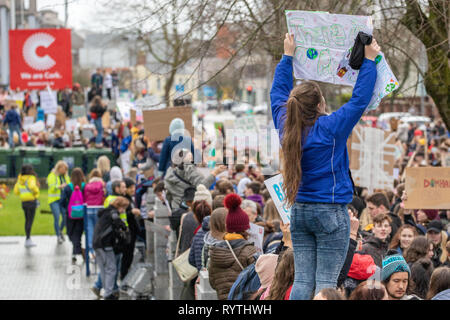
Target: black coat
x,y
108,226
376,248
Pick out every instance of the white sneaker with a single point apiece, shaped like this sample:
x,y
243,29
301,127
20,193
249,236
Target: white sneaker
x,y
29,243
60,240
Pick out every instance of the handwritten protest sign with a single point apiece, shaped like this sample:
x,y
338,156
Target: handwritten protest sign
x,y
275,187
71,125
78,111
427,188
28,122
51,118
49,101
323,47
256,235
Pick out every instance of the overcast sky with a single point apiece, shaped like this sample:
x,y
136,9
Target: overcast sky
x,y
81,12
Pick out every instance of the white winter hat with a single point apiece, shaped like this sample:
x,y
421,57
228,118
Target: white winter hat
x,y
175,125
115,174
203,194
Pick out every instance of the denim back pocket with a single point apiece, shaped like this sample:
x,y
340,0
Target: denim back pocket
x,y
326,218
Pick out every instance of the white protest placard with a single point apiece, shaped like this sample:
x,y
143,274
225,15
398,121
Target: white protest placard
x,y
275,187
323,43
34,97
37,127
51,118
124,108
28,122
49,101
71,125
256,235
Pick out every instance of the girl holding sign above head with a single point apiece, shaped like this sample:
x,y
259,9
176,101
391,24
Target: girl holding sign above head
x,y
315,170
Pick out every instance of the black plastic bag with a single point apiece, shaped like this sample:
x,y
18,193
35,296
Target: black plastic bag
x,y
357,55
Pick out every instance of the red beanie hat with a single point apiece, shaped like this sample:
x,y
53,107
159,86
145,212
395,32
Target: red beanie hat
x,y
237,220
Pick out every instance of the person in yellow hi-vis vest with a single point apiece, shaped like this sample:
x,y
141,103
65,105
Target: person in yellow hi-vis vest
x,y
56,181
27,187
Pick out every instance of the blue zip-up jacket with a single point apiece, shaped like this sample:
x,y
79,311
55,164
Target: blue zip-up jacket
x,y
12,118
195,255
324,163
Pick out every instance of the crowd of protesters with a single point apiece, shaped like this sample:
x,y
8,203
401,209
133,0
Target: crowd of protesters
x,y
392,253
88,134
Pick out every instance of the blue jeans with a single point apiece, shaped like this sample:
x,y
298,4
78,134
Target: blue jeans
x,y
320,237
91,221
99,128
98,284
14,128
57,211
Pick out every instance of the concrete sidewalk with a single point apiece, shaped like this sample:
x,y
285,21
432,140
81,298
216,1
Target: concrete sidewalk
x,y
44,272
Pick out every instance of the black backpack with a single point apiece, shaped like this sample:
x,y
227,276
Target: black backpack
x,y
121,234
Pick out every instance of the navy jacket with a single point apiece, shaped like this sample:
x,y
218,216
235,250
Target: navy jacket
x,y
325,163
12,118
195,255
168,146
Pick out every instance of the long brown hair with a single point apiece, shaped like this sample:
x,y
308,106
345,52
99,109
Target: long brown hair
x,y
284,276
396,239
302,112
440,281
368,290
77,177
418,249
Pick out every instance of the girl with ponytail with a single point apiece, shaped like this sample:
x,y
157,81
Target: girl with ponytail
x,y
315,169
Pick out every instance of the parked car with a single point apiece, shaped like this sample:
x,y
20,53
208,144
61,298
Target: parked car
x,y
260,109
212,104
420,121
228,104
242,108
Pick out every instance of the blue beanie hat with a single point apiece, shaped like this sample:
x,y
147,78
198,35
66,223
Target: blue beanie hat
x,y
393,264
175,125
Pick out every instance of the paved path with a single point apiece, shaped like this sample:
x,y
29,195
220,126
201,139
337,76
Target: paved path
x,y
44,272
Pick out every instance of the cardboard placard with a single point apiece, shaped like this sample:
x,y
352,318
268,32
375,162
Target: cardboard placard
x,y
133,117
61,117
106,120
372,157
427,188
32,112
156,122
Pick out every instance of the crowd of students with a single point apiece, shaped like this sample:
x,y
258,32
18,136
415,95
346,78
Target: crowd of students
x,y
342,243
88,134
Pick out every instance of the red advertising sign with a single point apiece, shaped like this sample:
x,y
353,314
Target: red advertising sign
x,y
39,57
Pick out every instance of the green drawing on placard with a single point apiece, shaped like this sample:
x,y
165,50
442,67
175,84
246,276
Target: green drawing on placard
x,y
390,87
378,58
294,26
337,34
300,54
324,64
312,53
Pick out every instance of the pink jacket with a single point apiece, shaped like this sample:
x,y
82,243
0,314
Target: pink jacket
x,y
94,193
